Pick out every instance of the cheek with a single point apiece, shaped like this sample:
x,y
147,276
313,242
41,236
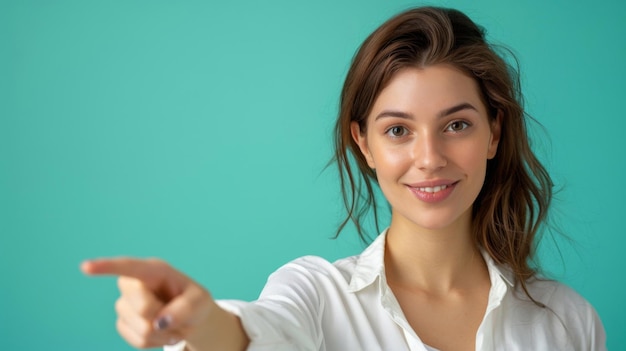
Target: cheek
x,y
390,159
473,159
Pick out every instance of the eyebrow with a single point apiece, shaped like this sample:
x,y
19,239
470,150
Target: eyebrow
x,y
457,108
446,112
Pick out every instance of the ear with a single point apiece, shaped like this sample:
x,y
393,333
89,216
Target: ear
x,y
361,140
495,135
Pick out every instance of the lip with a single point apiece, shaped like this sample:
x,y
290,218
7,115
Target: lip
x,y
432,183
432,196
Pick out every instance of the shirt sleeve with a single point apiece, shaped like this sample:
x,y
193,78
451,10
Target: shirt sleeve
x,y
287,315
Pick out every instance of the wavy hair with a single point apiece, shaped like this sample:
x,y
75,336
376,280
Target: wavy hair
x,y
516,195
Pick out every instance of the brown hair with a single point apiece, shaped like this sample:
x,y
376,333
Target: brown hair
x,y
517,191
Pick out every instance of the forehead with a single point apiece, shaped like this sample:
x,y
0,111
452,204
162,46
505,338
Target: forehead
x,y
429,90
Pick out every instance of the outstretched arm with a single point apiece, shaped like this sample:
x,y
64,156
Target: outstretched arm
x,y
159,305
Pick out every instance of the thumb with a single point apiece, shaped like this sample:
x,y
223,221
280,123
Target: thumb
x,y
186,310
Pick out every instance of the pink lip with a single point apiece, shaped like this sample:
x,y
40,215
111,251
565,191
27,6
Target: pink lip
x,y
433,197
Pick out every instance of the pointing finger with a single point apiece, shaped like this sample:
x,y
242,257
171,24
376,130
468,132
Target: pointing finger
x,y
157,275
123,266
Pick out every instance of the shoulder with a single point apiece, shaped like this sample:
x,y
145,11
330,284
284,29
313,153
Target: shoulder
x,y
567,313
314,272
316,265
553,292
559,298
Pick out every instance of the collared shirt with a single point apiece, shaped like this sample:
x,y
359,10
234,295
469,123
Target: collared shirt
x,y
310,304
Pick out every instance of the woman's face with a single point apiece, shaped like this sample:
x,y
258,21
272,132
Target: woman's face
x,y
429,138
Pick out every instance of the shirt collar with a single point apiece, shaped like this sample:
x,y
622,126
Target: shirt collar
x,y
498,270
370,265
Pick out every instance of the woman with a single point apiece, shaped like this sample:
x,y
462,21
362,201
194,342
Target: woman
x,y
432,115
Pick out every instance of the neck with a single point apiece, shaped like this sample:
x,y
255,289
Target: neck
x,y
436,261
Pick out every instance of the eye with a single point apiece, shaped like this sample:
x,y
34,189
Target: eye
x,y
396,131
457,126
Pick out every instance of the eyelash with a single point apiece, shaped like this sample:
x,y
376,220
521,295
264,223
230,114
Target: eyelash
x,y
390,130
464,123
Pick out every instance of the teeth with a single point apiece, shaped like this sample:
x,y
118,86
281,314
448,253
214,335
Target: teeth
x,y
433,189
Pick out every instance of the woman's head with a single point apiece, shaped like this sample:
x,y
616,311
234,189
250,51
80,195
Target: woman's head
x,y
517,189
428,137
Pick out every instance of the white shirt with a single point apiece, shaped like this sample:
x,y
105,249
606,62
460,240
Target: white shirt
x,y
310,304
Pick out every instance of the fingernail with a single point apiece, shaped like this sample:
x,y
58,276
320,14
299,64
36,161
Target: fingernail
x,y
173,341
162,323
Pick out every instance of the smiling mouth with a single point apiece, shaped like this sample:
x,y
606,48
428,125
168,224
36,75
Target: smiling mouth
x,y
433,189
434,193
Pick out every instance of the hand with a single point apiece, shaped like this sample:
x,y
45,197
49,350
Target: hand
x,y
158,304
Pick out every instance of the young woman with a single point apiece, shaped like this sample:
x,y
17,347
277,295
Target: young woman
x,y
431,114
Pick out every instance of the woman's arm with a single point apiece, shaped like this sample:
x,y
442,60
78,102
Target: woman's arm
x,y
159,305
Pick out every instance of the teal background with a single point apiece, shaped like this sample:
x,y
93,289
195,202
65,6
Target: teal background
x,y
198,131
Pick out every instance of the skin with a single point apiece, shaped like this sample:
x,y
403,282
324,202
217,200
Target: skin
x,y
159,305
427,125
430,126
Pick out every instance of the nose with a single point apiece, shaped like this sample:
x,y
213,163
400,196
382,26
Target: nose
x,y
428,153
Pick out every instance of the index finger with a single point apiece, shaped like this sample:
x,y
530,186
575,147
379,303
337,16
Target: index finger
x,y
142,269
157,275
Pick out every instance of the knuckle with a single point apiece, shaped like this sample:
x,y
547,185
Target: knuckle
x,y
119,306
119,325
138,335
144,330
141,344
202,296
121,283
127,334
160,264
145,309
157,261
126,283
187,305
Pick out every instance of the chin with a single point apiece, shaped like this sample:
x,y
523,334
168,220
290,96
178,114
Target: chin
x,y
436,221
